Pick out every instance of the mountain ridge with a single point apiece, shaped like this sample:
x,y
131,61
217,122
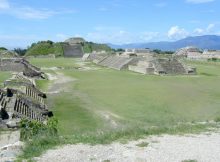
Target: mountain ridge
x,y
211,42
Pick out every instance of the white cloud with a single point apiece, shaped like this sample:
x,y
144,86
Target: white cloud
x,y
199,31
118,35
176,32
4,4
199,1
31,13
208,30
210,27
28,12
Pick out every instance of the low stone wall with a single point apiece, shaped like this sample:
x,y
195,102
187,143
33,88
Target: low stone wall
x,y
19,65
21,99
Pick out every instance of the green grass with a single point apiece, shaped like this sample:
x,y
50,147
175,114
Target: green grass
x,y
42,84
131,99
106,105
4,76
52,62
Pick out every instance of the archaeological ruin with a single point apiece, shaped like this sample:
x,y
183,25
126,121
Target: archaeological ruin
x,y
20,65
19,97
161,66
111,61
73,47
144,62
194,53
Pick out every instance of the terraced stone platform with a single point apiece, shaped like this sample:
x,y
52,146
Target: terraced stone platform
x,y
162,66
111,61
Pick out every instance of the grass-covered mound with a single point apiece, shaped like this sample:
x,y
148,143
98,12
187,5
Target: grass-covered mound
x,y
45,48
89,47
49,47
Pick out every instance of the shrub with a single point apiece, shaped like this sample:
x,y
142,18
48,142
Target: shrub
x,y
217,119
29,129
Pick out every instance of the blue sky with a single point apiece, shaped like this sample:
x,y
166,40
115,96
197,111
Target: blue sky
x,y
108,21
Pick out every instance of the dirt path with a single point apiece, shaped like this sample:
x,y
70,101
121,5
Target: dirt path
x,y
10,145
167,148
59,82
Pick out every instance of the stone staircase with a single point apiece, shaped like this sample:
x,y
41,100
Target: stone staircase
x,y
116,62
169,66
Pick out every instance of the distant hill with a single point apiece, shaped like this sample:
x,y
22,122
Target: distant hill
x,y
211,42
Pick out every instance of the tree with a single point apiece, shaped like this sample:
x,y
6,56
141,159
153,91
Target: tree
x,y
3,48
20,52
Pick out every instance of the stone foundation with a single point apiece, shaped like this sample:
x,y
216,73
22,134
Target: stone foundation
x,y
21,99
20,65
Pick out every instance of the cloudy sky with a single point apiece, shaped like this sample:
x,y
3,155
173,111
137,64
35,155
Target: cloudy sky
x,y
23,22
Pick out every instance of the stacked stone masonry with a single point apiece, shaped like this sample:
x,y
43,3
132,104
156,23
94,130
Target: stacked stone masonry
x,y
111,61
20,65
21,99
146,64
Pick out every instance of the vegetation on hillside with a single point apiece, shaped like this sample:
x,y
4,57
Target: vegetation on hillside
x,y
89,47
3,48
49,47
20,51
45,48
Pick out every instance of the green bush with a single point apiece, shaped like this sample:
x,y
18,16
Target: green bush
x,y
45,48
217,119
89,47
38,137
30,129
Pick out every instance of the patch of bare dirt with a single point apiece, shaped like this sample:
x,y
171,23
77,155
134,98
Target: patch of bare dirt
x,y
59,83
166,148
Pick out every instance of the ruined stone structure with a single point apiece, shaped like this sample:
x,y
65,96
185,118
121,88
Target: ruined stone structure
x,y
147,64
186,51
73,47
111,61
19,65
137,52
211,54
194,53
160,66
189,53
21,99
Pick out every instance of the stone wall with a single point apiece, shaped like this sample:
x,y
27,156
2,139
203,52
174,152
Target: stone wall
x,y
111,61
21,99
161,67
19,65
73,50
